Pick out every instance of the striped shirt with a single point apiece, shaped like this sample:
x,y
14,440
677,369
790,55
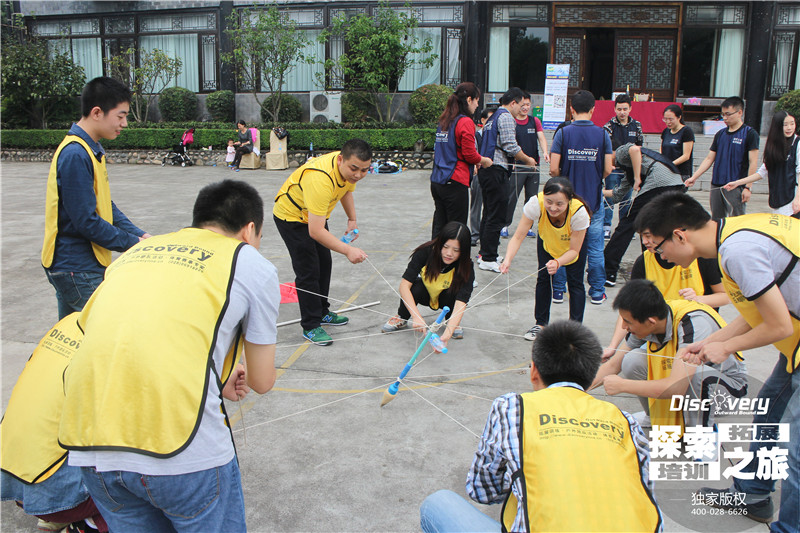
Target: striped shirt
x,y
507,146
498,455
654,175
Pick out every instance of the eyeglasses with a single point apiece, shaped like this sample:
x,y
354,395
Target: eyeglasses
x,y
657,249
731,113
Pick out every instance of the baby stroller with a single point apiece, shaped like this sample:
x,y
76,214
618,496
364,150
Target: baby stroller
x,y
178,154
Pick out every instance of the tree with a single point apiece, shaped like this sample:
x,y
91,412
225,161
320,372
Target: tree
x,y
37,81
266,47
155,72
376,56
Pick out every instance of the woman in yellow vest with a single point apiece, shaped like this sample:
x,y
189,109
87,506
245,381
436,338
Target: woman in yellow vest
x,y
439,273
562,217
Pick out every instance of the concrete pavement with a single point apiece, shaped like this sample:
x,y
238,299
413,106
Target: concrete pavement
x,y
318,453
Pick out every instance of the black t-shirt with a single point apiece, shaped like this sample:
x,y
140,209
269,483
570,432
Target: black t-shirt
x,y
420,258
709,270
672,147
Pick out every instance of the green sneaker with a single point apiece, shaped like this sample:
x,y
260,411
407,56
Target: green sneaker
x,y
318,336
332,319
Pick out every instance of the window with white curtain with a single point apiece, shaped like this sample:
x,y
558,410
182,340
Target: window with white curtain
x,y
499,37
728,63
84,52
418,74
303,76
183,46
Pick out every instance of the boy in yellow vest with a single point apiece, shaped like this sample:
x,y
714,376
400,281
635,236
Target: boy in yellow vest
x,y
143,414
758,255
82,224
657,330
302,207
538,453
34,470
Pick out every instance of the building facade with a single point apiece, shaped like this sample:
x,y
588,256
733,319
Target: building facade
x,y
671,50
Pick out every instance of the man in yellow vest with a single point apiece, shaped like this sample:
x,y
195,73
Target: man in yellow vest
x,y
82,224
650,371
34,470
538,453
302,207
758,255
143,414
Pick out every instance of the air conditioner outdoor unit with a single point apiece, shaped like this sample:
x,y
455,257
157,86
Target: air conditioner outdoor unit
x,y
325,106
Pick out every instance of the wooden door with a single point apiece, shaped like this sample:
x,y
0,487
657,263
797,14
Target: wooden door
x,y
570,49
645,61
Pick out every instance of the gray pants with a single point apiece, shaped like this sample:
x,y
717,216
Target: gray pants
x,y
726,203
521,180
475,204
729,378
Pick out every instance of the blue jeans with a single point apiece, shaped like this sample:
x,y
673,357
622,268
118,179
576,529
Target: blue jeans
x,y
596,271
783,391
445,511
612,181
209,500
73,289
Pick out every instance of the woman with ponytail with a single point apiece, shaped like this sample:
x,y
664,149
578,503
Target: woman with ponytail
x,y
781,166
454,155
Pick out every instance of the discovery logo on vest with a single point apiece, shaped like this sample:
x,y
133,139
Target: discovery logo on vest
x,y
722,403
584,154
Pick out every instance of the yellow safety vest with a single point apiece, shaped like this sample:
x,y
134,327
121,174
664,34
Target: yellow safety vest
x,y
660,359
140,379
101,190
670,281
30,450
569,442
786,232
439,284
290,202
556,238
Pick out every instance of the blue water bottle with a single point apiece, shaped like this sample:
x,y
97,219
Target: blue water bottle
x,y
348,237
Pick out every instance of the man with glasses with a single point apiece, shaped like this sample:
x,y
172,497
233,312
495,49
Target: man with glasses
x,y
734,154
759,258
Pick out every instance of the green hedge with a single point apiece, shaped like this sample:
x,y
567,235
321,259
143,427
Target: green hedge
x,y
163,139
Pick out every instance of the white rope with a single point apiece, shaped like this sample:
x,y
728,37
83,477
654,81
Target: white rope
x,y
441,411
436,385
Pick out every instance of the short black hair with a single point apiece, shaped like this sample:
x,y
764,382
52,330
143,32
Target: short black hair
x,y
514,94
105,93
582,101
642,299
623,98
567,351
229,204
358,148
242,122
486,111
734,102
670,211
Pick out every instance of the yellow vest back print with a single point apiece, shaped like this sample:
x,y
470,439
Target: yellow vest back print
x,y
101,190
566,437
30,450
786,232
131,391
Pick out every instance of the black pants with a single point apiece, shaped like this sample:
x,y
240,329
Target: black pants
x,y
494,188
421,297
621,238
518,181
311,263
451,202
240,151
544,288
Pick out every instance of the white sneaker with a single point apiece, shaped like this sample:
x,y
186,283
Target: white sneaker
x,y
493,266
531,333
643,419
474,283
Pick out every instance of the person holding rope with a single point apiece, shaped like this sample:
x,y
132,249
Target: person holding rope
x,y
454,155
563,218
734,155
303,205
536,459
759,256
781,166
649,173
143,412
440,273
651,373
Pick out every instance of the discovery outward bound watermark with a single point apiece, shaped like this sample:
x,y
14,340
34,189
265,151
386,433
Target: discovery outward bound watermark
x,y
722,404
